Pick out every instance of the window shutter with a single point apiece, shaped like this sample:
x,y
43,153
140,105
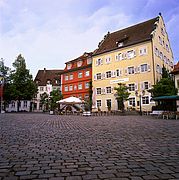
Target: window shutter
x,y
136,86
134,53
148,67
142,86
101,61
95,77
139,69
113,73
116,57
112,89
149,85
103,90
120,72
96,62
103,75
136,70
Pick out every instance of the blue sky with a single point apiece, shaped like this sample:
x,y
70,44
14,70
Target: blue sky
x,y
49,33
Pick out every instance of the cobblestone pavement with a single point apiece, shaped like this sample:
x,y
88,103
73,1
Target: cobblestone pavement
x,y
41,146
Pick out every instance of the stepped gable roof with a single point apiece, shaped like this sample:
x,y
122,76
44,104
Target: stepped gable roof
x,y
128,36
47,75
176,69
82,57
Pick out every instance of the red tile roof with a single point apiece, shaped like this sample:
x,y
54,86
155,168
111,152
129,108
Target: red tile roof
x,y
176,69
45,75
128,36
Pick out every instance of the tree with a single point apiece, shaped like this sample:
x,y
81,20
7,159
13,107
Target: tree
x,y
55,96
21,85
44,101
89,102
164,87
121,95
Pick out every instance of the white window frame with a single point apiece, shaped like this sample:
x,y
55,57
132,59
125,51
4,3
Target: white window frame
x,y
80,86
98,100
98,91
131,87
66,77
108,90
143,68
142,51
71,76
87,85
71,88
108,74
80,74
87,73
108,59
131,70
66,88
107,103
130,54
98,75
145,100
133,101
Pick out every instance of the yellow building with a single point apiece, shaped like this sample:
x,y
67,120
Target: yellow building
x,y
134,56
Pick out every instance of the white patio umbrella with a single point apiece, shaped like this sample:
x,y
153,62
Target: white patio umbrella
x,y
70,100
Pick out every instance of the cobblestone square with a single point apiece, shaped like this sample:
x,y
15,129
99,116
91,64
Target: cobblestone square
x,y
42,146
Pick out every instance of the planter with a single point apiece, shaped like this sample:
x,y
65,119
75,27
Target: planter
x,y
51,112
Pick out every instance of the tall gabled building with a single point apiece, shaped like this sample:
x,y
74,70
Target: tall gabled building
x,y
43,79
76,77
134,56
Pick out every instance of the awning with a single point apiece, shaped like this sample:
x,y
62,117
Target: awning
x,y
174,97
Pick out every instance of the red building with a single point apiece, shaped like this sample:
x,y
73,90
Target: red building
x,y
76,77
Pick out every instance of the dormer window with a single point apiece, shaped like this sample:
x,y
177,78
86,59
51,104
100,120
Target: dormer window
x,y
119,44
89,61
79,63
69,66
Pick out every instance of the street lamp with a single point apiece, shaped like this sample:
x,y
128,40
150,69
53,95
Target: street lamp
x,y
140,94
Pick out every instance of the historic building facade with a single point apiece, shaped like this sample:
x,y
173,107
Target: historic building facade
x,y
76,77
46,80
134,56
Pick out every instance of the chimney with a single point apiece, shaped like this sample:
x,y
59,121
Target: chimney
x,y
44,70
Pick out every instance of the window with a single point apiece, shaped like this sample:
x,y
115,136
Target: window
x,y
89,61
98,90
86,85
99,62
119,57
79,86
146,85
167,47
130,54
156,51
132,101
143,68
108,103
108,59
108,90
131,87
163,31
41,88
71,88
75,87
142,51
145,100
66,78
79,63
13,104
66,88
87,73
161,55
118,73
80,75
120,44
165,59
69,66
160,40
71,76
25,104
158,69
108,74
98,76
131,70
98,103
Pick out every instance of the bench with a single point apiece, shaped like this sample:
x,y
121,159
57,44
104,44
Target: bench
x,y
86,113
156,113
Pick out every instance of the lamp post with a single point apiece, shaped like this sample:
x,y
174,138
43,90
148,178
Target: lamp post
x,y
140,94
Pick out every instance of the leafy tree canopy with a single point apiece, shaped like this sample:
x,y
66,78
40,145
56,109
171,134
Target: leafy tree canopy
x,y
21,85
164,87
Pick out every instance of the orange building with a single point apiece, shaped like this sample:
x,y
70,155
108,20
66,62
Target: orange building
x,y
76,77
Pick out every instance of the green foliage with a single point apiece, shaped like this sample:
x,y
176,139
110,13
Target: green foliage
x,y
55,96
164,87
44,101
121,95
20,85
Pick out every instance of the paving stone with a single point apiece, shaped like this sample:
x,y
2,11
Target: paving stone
x,y
40,146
